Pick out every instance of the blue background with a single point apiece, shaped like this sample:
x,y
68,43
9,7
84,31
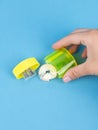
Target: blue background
x,y
29,28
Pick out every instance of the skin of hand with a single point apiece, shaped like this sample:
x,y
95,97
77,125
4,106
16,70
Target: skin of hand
x,y
88,38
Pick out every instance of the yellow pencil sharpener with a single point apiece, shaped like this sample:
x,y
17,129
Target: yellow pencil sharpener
x,y
26,68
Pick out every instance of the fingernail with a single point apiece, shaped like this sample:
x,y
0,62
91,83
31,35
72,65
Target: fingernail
x,y
67,79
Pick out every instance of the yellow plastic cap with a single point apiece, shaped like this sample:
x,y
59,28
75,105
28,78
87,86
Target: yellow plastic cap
x,y
30,63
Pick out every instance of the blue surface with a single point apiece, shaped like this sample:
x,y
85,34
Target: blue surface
x,y
29,28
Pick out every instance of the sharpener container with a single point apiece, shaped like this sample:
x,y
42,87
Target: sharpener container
x,y
62,60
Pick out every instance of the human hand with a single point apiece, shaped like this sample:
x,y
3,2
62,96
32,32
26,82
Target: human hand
x,y
89,38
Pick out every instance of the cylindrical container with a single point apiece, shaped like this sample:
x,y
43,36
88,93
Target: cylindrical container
x,y
62,60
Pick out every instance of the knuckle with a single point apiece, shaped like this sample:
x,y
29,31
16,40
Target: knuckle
x,y
78,29
92,35
74,73
93,32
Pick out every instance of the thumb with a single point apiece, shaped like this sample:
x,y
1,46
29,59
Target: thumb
x,y
76,72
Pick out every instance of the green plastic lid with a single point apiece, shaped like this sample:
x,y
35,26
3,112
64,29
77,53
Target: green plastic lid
x,y
62,60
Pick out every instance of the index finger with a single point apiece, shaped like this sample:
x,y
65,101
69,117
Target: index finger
x,y
74,38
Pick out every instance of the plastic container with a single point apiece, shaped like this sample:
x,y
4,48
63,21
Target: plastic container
x,y
62,60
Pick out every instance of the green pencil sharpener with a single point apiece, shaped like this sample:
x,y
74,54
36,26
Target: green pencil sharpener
x,y
57,64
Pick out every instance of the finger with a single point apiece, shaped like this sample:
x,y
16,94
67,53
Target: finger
x,y
73,48
84,54
74,38
76,72
81,30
